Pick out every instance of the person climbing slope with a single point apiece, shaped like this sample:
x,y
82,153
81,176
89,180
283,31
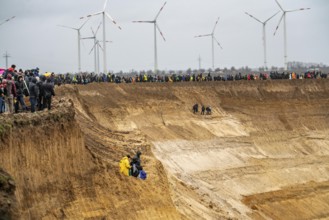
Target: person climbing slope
x,y
136,164
202,110
125,165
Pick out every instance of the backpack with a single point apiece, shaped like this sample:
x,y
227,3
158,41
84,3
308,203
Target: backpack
x,y
142,175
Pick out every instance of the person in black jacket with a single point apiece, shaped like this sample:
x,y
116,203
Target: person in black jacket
x,y
20,86
2,98
48,93
40,84
202,110
195,108
34,93
136,164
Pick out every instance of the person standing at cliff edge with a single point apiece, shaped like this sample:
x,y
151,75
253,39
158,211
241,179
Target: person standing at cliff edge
x,y
49,92
10,93
34,93
2,101
20,86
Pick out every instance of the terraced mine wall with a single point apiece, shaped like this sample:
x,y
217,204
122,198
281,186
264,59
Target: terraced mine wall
x,y
262,154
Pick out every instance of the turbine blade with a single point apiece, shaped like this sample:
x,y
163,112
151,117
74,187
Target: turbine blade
x,y
277,27
93,48
279,5
156,17
114,22
143,22
100,46
98,28
301,9
271,17
11,18
218,43
105,4
84,23
90,15
160,32
92,31
205,35
67,27
7,20
253,17
215,25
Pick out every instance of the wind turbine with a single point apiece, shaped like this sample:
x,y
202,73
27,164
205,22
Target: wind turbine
x,y
264,34
104,14
213,39
284,12
79,39
96,48
156,26
95,40
7,20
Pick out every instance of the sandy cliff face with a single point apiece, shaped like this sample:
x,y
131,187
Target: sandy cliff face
x,y
45,154
262,154
8,205
66,167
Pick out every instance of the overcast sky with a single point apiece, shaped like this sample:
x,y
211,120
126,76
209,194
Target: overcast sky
x,y
33,38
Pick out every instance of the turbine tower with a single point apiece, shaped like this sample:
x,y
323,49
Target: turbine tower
x,y
5,21
96,62
264,34
79,39
104,15
156,26
284,12
96,48
213,40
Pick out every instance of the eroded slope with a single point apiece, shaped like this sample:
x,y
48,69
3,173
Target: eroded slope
x,y
66,167
263,139
262,154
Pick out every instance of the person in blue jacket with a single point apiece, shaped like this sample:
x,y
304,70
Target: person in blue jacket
x,y
142,174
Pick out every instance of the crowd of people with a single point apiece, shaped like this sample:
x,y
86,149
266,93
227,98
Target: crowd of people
x,y
15,86
85,78
132,166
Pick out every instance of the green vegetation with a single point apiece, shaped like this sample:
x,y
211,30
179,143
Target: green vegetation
x,y
4,128
3,179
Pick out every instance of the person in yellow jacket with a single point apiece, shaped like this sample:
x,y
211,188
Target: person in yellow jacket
x,y
125,165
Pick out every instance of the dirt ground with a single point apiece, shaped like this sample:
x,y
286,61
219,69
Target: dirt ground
x,y
8,205
262,154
